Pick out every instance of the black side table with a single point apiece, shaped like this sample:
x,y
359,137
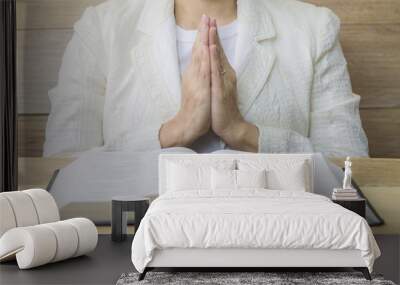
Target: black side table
x,y
120,206
355,205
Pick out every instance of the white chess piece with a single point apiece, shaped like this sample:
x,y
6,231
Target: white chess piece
x,y
347,174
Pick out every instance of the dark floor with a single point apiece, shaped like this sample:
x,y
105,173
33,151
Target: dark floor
x,y
110,260
389,262
103,266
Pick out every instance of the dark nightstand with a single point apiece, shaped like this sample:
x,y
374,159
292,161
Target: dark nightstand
x,y
120,206
356,205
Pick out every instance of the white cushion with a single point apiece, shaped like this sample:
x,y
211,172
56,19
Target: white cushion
x,y
282,174
282,164
31,246
182,177
251,178
66,237
23,208
236,179
293,179
34,244
40,244
7,220
87,233
27,208
193,174
223,179
45,205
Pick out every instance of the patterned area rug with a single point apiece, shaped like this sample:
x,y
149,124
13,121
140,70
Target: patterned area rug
x,y
243,278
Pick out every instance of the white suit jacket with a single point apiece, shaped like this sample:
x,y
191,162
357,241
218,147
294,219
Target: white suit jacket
x,y
120,81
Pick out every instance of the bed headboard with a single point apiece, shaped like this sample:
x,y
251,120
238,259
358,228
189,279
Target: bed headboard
x,y
166,157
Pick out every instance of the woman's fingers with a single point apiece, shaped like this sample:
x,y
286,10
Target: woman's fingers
x,y
200,42
202,32
213,33
217,67
196,59
205,23
216,72
205,68
215,40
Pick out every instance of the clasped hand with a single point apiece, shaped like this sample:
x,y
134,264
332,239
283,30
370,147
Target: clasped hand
x,y
209,97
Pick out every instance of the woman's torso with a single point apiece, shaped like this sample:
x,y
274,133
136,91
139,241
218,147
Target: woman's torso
x,y
275,73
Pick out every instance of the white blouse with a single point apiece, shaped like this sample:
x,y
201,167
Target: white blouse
x,y
120,79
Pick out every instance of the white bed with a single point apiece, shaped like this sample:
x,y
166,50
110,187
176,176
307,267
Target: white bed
x,y
249,227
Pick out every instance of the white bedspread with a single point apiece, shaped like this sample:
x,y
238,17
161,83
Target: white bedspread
x,y
252,218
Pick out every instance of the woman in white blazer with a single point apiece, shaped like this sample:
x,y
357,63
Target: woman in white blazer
x,y
286,89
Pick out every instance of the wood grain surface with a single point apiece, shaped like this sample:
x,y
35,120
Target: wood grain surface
x,y
39,56
50,14
381,125
31,134
62,14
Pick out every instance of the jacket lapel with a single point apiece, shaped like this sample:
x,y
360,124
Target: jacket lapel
x,y
157,21
254,58
166,58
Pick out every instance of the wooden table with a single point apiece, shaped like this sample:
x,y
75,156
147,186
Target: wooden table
x,y
379,179
356,205
121,205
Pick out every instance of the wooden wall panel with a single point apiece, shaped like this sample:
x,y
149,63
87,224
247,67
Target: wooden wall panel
x,y
50,14
383,131
39,55
373,57
373,61
376,172
31,134
374,70
363,11
62,14
370,38
382,127
378,97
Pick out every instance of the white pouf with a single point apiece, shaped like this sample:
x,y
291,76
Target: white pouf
x,y
23,208
37,245
32,233
45,205
7,220
87,234
27,208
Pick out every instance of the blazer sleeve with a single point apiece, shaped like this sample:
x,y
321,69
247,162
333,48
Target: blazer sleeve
x,y
145,138
335,126
75,120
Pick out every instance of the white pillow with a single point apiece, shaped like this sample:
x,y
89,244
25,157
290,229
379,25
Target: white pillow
x,y
293,179
183,178
188,175
237,179
251,178
223,179
283,174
